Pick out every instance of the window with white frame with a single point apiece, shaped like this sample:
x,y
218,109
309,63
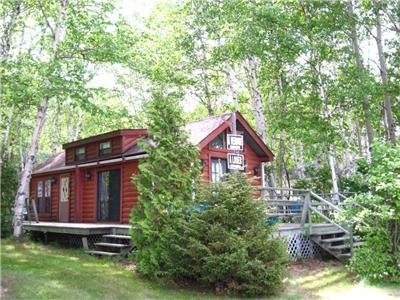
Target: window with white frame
x,y
218,169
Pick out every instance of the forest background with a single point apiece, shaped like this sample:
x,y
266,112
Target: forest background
x,y
318,80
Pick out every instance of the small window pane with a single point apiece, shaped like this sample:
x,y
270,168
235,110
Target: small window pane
x,y
105,148
47,195
80,153
218,169
39,195
219,142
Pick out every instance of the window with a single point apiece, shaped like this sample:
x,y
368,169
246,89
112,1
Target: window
x,y
105,148
80,153
218,169
108,195
219,142
47,195
39,195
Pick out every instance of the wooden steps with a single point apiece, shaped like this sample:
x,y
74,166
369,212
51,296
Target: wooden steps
x,y
337,243
112,245
102,253
117,236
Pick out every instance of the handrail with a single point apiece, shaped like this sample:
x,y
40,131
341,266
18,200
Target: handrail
x,y
329,220
283,189
325,201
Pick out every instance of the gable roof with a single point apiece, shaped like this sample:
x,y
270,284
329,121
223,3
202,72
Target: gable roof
x,y
200,129
201,133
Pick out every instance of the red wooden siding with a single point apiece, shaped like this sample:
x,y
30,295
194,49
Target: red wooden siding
x,y
54,196
251,158
88,205
129,191
92,150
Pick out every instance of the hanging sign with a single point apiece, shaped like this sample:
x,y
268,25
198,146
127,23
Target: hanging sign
x,y
235,161
235,142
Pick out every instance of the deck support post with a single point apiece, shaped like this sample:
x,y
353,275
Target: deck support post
x,y
305,211
85,243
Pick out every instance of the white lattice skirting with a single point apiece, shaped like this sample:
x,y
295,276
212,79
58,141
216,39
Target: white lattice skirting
x,y
301,247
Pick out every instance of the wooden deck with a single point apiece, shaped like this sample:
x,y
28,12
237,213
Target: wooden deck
x,y
83,229
86,229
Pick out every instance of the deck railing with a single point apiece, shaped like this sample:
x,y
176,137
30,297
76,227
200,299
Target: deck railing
x,y
300,205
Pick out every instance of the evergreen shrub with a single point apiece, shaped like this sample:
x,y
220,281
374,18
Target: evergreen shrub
x,y
225,241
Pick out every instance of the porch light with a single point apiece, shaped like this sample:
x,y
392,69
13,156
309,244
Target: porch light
x,y
88,175
53,179
256,170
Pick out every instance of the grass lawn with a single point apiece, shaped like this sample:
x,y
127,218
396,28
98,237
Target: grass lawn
x,y
34,271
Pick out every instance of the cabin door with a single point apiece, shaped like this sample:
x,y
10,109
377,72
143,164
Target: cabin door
x,y
63,215
108,195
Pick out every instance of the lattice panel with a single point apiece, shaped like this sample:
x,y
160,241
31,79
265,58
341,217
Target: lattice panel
x,y
301,247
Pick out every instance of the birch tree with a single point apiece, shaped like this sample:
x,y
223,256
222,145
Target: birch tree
x,y
58,34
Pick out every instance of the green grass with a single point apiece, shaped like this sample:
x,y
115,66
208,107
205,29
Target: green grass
x,y
34,271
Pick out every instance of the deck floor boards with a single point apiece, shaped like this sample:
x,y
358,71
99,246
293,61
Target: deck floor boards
x,y
107,228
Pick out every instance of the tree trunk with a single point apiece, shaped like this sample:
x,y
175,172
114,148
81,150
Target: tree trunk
x,y
256,99
302,169
5,141
387,106
331,158
332,167
27,170
9,30
361,70
78,126
40,120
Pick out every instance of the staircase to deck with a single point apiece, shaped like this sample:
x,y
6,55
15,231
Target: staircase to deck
x,y
112,245
309,209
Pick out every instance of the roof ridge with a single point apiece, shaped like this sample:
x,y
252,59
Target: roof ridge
x,y
208,117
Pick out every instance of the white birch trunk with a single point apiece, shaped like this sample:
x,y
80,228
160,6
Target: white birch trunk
x,y
256,98
361,69
40,120
387,105
332,167
28,167
6,138
302,169
331,157
78,126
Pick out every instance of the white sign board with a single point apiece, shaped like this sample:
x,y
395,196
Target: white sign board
x,y
235,142
235,161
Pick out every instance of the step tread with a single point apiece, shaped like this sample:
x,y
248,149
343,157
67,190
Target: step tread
x,y
117,236
112,245
336,239
345,246
103,253
344,255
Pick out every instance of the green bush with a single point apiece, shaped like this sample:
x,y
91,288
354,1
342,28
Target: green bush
x,y
9,185
225,241
376,216
375,259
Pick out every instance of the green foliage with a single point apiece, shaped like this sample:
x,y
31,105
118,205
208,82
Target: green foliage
x,y
165,183
376,214
375,259
317,179
225,241
9,183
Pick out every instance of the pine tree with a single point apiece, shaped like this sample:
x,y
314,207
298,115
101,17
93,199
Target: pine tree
x,y
165,182
225,241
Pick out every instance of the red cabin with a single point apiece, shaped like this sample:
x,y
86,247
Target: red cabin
x,y
90,181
